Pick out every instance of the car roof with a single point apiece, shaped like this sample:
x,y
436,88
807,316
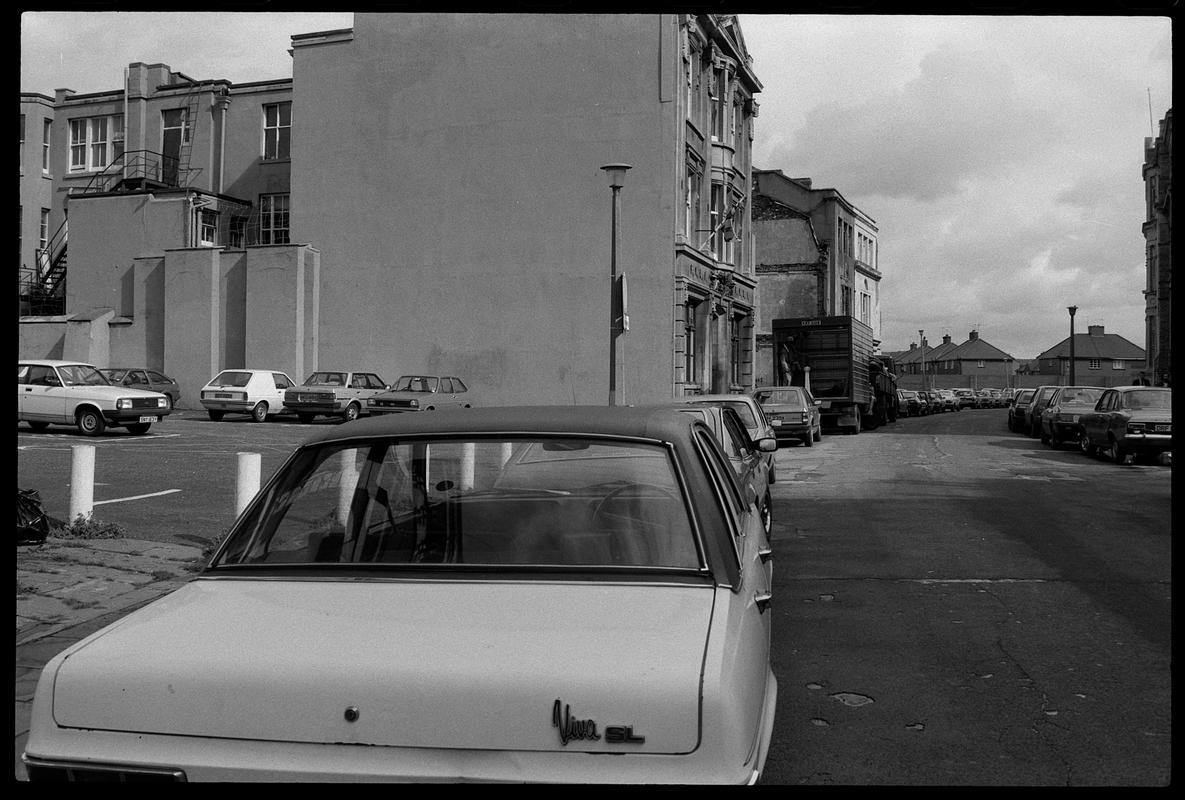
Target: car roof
x,y
659,423
1142,388
53,362
717,398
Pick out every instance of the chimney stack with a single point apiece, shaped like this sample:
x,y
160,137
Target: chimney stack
x,y
1094,330
973,335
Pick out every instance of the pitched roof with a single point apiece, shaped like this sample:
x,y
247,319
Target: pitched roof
x,y
1105,346
976,350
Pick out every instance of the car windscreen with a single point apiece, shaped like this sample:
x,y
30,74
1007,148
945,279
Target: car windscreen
x,y
326,379
1151,398
1079,397
782,397
231,379
415,383
510,502
81,375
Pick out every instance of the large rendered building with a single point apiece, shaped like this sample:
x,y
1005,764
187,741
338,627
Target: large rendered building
x,y
1158,237
425,194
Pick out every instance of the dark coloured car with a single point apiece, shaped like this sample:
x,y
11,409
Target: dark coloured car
x,y
1129,421
1018,409
421,393
147,379
793,413
909,404
1040,401
1059,421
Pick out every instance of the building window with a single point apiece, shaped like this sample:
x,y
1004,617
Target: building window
x,y
734,333
1093,364
690,342
46,124
277,130
979,364
22,141
43,230
95,142
695,181
236,234
718,94
207,227
1117,365
273,223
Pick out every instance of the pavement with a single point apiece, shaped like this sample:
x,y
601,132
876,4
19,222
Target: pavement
x,y
66,589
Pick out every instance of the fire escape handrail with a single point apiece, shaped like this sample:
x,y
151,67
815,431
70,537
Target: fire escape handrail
x,y
135,165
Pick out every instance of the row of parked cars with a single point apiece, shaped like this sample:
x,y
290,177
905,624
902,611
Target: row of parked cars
x,y
912,403
59,392
1124,423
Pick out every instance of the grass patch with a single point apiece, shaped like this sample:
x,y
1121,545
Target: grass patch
x,y
90,528
73,603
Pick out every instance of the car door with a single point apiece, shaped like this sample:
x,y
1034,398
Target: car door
x,y
752,471
160,383
137,379
280,383
460,391
43,397
749,622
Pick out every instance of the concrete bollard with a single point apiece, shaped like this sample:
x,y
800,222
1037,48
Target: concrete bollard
x,y
82,482
247,483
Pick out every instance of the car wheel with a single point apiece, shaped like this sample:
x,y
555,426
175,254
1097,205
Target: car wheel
x,y
1086,447
305,417
38,426
216,416
259,413
819,434
1117,453
139,429
1044,437
767,516
351,412
91,422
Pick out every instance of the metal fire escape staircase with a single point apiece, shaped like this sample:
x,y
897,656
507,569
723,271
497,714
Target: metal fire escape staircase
x,y
133,170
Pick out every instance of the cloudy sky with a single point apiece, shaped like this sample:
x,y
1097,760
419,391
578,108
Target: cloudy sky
x,y
999,156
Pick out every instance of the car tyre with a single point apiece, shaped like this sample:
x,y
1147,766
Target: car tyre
x,y
1086,447
139,429
216,416
808,440
1117,453
767,516
819,434
259,413
351,412
91,422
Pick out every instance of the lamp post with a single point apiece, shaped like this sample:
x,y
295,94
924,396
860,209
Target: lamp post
x,y
616,173
922,345
1072,310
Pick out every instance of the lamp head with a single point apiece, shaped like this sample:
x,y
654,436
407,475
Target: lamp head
x,y
616,174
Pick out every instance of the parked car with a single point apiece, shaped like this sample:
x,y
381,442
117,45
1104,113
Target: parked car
x,y
147,379
965,398
420,393
933,403
1059,421
950,401
57,392
908,403
256,392
334,394
752,416
1129,421
1018,408
747,456
588,577
1041,398
793,412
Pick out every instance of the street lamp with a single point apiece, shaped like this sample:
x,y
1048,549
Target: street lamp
x,y
922,345
616,173
1072,310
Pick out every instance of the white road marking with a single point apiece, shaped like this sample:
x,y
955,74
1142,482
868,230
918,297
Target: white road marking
x,y
137,497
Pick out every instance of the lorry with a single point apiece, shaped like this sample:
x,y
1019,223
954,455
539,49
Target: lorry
x,y
833,358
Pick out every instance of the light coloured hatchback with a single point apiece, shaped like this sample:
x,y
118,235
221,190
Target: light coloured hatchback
x,y
257,392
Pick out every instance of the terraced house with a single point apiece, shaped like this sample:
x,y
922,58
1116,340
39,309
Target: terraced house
x,y
425,195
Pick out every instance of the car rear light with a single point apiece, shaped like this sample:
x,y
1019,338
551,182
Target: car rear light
x,y
1135,427
806,417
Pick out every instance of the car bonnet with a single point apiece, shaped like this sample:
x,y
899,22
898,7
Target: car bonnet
x,y
478,665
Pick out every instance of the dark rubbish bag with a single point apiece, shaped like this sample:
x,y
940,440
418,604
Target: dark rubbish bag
x,y
32,526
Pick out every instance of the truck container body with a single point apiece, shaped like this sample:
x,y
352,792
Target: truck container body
x,y
833,358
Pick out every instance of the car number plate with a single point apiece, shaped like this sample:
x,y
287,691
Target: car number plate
x,y
1162,428
149,419
775,421
222,395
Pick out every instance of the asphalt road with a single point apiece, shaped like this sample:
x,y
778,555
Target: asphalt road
x,y
961,605
955,604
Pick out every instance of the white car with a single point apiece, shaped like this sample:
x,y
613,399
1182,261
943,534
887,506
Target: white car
x,y
257,392
72,393
565,594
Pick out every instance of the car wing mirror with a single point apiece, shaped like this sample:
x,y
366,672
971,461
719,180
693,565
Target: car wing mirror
x,y
767,444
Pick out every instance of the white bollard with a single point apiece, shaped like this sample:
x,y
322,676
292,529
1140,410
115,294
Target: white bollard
x,y
82,482
247,483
